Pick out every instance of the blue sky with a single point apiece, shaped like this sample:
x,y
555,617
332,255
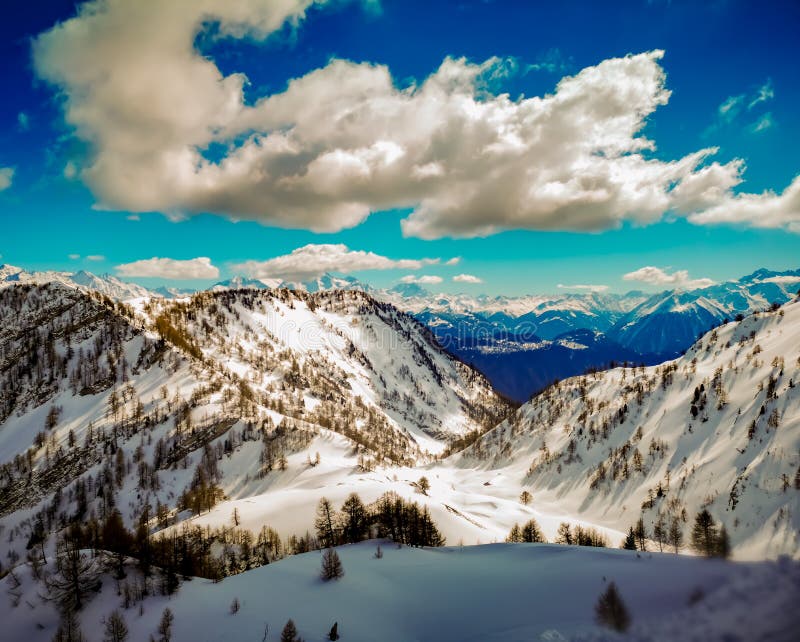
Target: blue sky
x,y
730,68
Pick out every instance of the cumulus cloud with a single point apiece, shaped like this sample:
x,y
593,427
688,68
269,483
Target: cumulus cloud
x,y
425,279
345,140
454,261
74,257
765,210
199,268
313,260
6,177
466,278
656,276
585,287
95,257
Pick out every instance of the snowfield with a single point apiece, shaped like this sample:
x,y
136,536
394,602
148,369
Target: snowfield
x,y
509,592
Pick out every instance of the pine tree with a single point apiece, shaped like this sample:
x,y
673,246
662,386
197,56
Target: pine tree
x,y
660,531
333,634
116,630
355,519
629,544
325,523
564,534
331,566
531,532
675,534
69,629
76,576
525,497
704,533
610,610
165,626
515,535
640,531
289,633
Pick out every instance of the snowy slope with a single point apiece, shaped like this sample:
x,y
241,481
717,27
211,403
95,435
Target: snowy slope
x,y
473,594
717,428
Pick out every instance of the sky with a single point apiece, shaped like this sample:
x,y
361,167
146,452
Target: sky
x,y
498,147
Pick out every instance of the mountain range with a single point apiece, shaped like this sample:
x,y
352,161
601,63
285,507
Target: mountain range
x,y
521,344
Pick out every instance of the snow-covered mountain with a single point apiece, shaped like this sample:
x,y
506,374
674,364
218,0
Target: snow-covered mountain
x,y
718,428
667,322
106,284
275,375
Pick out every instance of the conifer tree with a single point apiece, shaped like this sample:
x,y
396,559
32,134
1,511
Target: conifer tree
x,y
610,610
704,534
165,626
331,566
289,633
675,534
629,544
325,523
116,630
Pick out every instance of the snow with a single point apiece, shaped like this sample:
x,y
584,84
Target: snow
x,y
478,593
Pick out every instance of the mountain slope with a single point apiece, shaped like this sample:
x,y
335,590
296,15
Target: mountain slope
x,y
717,428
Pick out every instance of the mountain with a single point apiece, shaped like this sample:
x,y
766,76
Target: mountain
x,y
269,373
718,428
107,284
667,322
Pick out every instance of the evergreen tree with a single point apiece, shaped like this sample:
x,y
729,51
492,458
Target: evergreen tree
x,y
165,626
515,535
68,628
564,534
610,610
325,523
333,634
355,519
424,485
117,540
629,544
75,576
531,532
704,534
675,534
116,630
660,531
331,566
289,633
640,531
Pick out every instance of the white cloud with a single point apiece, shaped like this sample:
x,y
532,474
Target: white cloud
x,y
656,276
762,124
425,279
74,257
344,140
199,268
95,257
466,278
764,93
133,217
23,121
454,261
588,288
6,177
313,260
765,210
